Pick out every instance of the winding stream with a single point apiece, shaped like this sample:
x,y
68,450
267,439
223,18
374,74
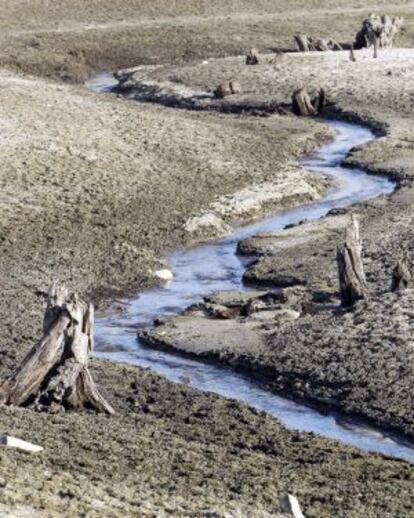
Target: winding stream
x,y
215,266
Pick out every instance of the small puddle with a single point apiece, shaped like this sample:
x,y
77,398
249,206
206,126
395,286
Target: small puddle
x,y
215,266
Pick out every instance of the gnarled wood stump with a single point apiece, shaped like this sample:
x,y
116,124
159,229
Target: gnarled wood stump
x,y
54,375
307,44
304,43
326,45
383,29
306,106
228,88
352,282
401,277
252,57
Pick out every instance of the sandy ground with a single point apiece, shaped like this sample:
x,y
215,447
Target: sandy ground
x,y
94,188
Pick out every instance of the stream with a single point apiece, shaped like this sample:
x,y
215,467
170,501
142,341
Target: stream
x,y
215,266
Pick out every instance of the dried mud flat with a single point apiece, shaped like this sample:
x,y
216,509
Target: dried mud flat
x,y
360,363
95,188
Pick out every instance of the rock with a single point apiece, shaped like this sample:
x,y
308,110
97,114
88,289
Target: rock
x,y
278,317
290,505
222,312
164,275
234,298
13,442
206,226
297,297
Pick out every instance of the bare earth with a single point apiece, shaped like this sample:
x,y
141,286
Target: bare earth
x,y
95,188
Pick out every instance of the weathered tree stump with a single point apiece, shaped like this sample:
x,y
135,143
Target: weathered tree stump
x,y
235,87
228,88
304,43
306,106
352,282
376,46
252,57
382,28
54,375
401,277
307,44
327,45
223,90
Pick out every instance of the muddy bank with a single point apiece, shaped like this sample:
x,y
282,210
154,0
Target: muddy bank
x,y
174,450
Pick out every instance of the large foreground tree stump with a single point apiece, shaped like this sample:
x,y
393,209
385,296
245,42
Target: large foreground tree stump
x,y
352,282
54,375
306,106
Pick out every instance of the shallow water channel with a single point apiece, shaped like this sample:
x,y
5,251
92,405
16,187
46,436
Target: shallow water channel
x,y
215,266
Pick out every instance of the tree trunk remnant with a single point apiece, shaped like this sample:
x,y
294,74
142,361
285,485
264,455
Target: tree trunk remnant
x,y
305,43
252,57
352,282
401,277
305,106
383,28
376,46
326,45
54,375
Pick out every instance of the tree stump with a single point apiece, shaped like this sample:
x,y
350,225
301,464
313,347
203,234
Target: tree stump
x,y
252,57
304,43
223,90
327,45
303,105
382,28
228,88
54,375
376,46
352,282
401,277
235,87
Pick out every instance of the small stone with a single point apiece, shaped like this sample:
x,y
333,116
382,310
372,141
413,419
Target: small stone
x,y
164,275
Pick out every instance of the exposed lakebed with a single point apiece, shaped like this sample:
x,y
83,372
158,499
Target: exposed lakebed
x,y
214,267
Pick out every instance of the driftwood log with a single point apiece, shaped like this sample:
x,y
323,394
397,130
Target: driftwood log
x,y
383,29
401,277
352,283
304,105
252,57
54,375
